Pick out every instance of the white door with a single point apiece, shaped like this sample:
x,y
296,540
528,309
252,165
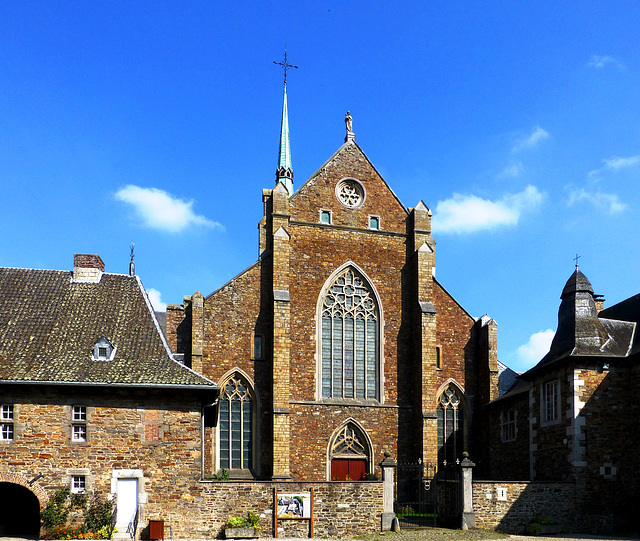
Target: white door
x,y
127,503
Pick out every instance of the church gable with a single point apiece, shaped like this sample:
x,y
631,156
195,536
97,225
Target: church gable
x,y
348,191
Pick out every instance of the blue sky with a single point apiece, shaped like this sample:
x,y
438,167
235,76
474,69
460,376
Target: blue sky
x,y
517,123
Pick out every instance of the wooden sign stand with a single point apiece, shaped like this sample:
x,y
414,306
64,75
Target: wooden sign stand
x,y
310,518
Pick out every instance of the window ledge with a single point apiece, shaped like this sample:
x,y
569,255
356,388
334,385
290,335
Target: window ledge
x,y
363,403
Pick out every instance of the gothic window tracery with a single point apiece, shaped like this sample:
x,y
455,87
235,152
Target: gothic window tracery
x,y
450,414
236,424
349,454
350,339
350,193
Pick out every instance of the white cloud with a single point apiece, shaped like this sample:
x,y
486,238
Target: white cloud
x,y
608,202
160,210
537,136
537,347
469,213
600,61
513,170
154,297
616,164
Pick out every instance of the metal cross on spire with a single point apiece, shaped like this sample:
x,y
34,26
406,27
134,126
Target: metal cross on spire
x,y
285,65
576,260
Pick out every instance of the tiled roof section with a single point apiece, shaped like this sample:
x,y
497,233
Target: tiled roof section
x,y
50,324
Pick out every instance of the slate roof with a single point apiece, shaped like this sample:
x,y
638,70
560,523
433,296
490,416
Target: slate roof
x,y
49,325
585,334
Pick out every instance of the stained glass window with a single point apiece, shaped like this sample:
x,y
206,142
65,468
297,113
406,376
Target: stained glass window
x,y
350,340
236,424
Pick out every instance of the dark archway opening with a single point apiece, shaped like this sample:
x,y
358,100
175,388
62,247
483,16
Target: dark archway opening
x,y
19,512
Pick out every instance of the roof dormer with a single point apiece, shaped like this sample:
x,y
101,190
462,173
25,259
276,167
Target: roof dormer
x,y
103,350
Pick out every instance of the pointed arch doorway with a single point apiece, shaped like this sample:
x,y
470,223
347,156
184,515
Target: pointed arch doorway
x,y
350,454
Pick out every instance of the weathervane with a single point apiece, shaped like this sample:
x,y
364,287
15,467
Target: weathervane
x,y
132,267
576,260
285,65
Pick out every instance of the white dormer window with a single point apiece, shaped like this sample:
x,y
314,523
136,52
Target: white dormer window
x,y
103,350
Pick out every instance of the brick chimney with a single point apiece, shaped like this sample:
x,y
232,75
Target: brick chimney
x,y
87,268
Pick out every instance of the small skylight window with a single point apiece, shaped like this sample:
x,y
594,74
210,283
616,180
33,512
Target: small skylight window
x,y
103,350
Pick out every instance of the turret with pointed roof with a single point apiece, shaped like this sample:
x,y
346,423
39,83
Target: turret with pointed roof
x,y
582,331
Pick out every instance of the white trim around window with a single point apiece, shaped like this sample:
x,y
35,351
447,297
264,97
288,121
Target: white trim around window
x,y
550,413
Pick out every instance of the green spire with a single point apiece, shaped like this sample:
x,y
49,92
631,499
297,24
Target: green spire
x,y
284,173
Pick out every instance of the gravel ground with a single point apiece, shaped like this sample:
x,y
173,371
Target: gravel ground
x,y
441,534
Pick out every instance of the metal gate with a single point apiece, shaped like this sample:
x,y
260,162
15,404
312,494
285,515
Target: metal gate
x,y
450,495
428,495
415,500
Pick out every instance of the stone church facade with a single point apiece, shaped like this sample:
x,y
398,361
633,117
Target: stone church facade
x,y
339,343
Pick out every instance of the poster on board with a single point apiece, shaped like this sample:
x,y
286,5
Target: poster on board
x,y
294,505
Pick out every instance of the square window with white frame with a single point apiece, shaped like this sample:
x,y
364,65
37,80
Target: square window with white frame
x,y
78,483
6,422
79,433
79,413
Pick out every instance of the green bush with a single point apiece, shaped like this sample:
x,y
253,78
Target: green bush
x,y
56,512
97,517
98,514
252,521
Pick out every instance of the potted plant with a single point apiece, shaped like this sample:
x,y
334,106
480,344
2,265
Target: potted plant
x,y
543,526
242,528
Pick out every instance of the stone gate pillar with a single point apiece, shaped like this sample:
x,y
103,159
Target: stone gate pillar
x,y
388,467
468,516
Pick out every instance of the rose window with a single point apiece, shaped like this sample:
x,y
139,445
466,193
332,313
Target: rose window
x,y
350,193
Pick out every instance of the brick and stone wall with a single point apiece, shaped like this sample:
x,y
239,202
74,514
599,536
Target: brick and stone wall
x,y
508,460
153,432
341,509
509,507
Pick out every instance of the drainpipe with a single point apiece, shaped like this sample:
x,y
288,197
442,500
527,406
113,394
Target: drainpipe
x,y
213,404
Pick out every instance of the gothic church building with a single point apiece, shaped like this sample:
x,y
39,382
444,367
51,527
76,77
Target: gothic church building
x,y
338,344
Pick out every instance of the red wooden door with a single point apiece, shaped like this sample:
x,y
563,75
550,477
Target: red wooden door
x,y
343,468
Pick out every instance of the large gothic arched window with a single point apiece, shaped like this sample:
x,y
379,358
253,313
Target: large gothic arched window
x,y
350,339
236,424
450,425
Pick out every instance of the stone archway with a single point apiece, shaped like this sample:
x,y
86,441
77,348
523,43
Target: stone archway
x,y
19,511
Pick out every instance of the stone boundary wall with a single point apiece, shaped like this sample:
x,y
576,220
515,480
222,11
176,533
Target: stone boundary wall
x,y
510,506
341,509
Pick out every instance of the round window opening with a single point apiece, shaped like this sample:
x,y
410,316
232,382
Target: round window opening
x,y
350,193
